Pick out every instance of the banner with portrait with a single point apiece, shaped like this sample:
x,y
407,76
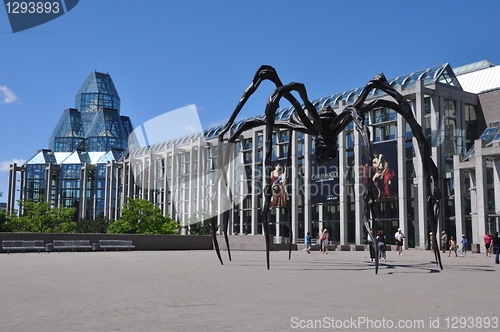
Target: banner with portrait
x,y
384,168
278,183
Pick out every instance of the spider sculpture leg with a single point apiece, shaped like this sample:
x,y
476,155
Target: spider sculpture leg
x,y
270,113
431,174
289,199
263,73
368,196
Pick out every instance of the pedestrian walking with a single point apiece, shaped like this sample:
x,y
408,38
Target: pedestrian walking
x,y
487,244
399,236
325,238
370,244
465,245
381,242
444,241
431,241
495,242
453,246
308,242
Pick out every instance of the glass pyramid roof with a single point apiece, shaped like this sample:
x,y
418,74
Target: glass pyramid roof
x,y
95,124
97,92
42,157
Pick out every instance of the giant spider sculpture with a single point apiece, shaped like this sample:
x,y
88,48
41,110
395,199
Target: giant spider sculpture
x,y
325,125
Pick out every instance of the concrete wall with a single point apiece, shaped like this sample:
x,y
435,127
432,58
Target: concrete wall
x,y
141,242
490,103
251,242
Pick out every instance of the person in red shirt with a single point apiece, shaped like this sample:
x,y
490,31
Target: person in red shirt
x,y
487,244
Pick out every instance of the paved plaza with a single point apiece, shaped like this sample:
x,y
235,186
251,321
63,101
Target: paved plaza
x,y
191,291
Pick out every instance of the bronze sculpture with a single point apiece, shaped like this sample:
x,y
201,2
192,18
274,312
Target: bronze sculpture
x,y
325,125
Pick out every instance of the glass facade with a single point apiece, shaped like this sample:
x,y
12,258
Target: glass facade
x,y
95,123
85,167
97,92
448,124
83,150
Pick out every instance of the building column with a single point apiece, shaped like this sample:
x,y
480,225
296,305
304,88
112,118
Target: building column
x,y
320,217
358,188
200,199
458,199
151,167
402,177
11,194
306,168
175,185
479,223
255,192
83,192
420,214
343,189
109,190
496,186
191,185
292,149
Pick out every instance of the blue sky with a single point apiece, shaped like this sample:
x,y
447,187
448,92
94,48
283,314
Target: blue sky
x,y
163,55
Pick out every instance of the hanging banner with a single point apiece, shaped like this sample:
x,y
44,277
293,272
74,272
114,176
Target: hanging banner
x,y
384,167
325,182
278,183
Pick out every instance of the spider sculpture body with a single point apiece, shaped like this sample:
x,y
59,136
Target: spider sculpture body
x,y
325,125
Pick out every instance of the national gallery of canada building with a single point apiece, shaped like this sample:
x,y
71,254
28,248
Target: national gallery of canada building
x,y
89,164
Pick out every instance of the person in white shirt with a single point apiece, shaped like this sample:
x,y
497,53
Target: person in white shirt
x,y
399,241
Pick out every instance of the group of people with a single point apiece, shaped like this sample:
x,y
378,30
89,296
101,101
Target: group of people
x,y
381,241
491,243
324,240
452,245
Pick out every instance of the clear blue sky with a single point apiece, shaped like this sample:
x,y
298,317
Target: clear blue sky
x,y
163,55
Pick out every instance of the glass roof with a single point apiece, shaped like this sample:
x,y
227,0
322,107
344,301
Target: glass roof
x,y
488,132
442,74
77,157
490,135
108,156
95,124
97,91
473,67
42,157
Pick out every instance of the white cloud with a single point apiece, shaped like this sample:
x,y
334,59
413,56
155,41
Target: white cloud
x,y
7,96
5,165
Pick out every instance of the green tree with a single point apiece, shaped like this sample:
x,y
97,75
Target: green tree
x,y
98,225
5,222
40,217
200,224
200,228
139,216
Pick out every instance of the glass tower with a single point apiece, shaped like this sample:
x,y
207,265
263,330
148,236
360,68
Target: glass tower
x,y
95,124
83,149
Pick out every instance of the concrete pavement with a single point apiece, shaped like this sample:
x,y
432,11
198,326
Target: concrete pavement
x,y
191,291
